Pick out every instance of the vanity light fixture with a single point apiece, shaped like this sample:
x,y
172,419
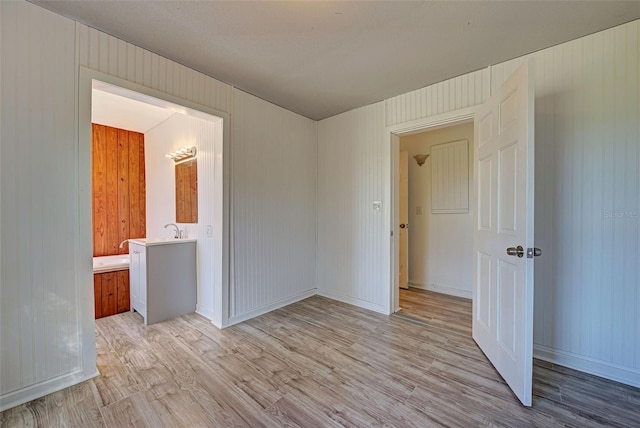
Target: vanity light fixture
x,y
182,155
420,159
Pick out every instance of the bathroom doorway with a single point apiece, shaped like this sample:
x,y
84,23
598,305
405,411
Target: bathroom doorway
x,y
184,124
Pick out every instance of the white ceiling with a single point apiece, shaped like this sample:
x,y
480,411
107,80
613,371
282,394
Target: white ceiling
x,y
125,113
321,58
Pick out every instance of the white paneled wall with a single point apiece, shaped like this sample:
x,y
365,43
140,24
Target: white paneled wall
x,y
47,309
460,92
353,238
274,206
588,201
41,342
102,52
178,131
587,308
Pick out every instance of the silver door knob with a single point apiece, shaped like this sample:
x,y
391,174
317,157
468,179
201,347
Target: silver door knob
x,y
516,251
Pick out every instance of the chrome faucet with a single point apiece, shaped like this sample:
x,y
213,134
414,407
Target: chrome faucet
x,y
177,235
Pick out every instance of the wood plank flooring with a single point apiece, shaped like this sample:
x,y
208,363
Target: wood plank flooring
x,y
316,363
436,309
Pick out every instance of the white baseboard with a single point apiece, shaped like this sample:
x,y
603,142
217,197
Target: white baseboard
x,y
31,392
444,289
626,375
270,307
205,312
355,302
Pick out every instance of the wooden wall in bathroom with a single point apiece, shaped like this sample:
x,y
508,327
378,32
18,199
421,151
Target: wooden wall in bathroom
x,y
118,187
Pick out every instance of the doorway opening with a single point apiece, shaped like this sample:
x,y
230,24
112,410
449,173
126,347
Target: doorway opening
x,y
142,193
435,251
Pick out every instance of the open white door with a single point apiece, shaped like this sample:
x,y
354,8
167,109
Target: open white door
x,y
404,220
503,284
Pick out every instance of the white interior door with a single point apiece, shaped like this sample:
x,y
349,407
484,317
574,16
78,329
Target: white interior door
x,y
404,220
503,284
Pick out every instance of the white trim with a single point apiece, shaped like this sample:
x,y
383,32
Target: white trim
x,y
406,128
268,308
441,288
205,312
364,304
31,392
592,366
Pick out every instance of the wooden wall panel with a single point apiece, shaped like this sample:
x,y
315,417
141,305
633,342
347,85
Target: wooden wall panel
x,y
111,232
99,184
118,179
123,189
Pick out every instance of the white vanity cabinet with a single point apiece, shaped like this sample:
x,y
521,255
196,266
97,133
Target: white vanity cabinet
x,y
162,277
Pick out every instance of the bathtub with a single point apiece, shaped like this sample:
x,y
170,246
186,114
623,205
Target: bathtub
x,y
110,263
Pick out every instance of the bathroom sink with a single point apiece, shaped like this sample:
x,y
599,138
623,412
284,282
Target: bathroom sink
x,y
159,241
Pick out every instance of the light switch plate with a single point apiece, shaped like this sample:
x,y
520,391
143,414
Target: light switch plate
x,y
209,231
377,205
418,210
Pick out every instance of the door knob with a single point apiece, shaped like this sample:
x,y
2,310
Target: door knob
x,y
516,251
403,225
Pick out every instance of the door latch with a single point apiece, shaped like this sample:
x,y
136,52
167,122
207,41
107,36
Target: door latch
x,y
533,252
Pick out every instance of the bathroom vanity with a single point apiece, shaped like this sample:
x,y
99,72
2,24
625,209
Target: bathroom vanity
x,y
162,278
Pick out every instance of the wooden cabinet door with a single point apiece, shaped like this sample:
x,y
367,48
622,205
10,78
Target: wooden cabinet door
x,y
97,295
123,299
109,281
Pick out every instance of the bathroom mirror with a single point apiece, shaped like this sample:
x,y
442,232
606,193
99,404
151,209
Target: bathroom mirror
x,y
187,192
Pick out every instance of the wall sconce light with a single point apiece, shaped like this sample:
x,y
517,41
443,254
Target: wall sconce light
x,y
420,159
182,155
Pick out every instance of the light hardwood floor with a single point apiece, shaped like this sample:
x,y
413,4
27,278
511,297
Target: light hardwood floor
x,y
316,363
436,309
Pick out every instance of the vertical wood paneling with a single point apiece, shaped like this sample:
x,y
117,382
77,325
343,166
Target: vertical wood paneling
x,y
99,187
102,52
274,206
353,172
123,188
118,178
39,315
111,189
454,94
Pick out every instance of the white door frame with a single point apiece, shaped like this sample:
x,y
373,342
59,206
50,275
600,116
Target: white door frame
x,y
393,133
83,177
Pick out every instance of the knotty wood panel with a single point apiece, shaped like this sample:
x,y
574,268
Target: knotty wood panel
x,y
111,232
97,293
122,291
119,206
123,188
187,192
109,283
99,184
